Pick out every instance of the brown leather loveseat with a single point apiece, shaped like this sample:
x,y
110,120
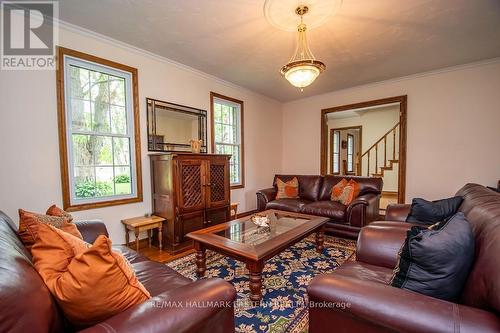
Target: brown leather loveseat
x,y
314,199
375,306
26,304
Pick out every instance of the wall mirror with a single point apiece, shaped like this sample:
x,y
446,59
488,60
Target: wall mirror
x,y
171,127
367,139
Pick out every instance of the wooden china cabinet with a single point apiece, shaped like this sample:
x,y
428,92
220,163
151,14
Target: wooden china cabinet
x,y
191,191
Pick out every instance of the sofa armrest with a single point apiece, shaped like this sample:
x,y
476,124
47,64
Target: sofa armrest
x,y
91,229
204,306
397,212
379,243
358,305
363,210
264,196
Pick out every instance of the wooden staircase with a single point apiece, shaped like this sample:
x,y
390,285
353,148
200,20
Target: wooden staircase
x,y
390,167
379,151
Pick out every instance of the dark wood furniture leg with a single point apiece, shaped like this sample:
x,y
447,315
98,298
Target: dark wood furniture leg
x,y
149,238
255,274
160,236
136,233
201,258
320,240
127,238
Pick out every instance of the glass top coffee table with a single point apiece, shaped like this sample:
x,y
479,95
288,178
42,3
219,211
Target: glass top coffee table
x,y
243,240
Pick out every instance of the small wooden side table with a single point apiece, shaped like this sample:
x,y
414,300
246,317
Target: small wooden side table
x,y
142,223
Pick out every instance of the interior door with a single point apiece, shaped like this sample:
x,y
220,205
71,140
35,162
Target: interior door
x,y
217,183
191,190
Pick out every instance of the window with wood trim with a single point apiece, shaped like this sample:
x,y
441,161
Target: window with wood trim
x,y
227,134
98,131
336,152
350,153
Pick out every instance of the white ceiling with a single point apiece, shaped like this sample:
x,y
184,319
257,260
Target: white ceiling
x,y
366,41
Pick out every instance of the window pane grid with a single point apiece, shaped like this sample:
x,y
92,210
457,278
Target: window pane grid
x,y
100,134
226,123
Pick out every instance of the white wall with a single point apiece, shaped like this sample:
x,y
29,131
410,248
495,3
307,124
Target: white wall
x,y
29,148
453,127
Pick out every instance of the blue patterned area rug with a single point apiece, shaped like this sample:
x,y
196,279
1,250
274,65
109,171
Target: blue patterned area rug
x,y
285,279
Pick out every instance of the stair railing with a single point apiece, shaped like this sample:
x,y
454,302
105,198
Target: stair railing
x,y
391,134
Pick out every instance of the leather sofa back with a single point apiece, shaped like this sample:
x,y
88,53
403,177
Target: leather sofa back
x,y
309,186
481,206
367,184
26,304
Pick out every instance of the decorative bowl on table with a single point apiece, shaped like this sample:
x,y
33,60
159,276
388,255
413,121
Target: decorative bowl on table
x,y
260,221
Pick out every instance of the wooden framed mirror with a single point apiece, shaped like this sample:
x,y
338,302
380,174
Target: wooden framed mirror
x,y
367,139
171,127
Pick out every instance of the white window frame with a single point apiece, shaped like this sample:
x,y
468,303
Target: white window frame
x,y
222,100
70,58
336,155
350,153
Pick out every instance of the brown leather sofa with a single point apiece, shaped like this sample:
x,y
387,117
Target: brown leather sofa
x,y
314,199
377,307
26,304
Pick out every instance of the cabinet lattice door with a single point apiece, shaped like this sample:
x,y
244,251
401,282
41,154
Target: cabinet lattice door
x,y
192,191
218,178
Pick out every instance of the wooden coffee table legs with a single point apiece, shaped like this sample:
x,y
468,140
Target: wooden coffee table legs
x,y
201,258
255,274
254,268
320,240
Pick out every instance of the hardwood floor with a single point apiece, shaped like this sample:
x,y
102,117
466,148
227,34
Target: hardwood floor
x,y
153,253
386,199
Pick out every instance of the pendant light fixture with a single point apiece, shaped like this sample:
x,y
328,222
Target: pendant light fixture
x,y
303,68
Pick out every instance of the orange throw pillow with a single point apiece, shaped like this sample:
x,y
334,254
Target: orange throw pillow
x,y
90,282
29,223
288,190
345,191
356,187
56,211
338,189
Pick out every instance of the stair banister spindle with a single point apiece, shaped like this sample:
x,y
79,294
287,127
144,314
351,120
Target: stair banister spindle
x,y
394,144
385,150
376,158
368,165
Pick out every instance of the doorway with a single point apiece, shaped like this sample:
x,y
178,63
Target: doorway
x,y
367,139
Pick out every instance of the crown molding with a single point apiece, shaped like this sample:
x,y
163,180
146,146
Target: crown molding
x,y
128,47
407,77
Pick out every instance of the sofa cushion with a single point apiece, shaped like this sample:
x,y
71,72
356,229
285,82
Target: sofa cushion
x,y
481,207
90,283
332,209
129,254
345,191
309,186
366,185
430,212
56,211
366,272
157,277
289,189
436,261
29,223
290,205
